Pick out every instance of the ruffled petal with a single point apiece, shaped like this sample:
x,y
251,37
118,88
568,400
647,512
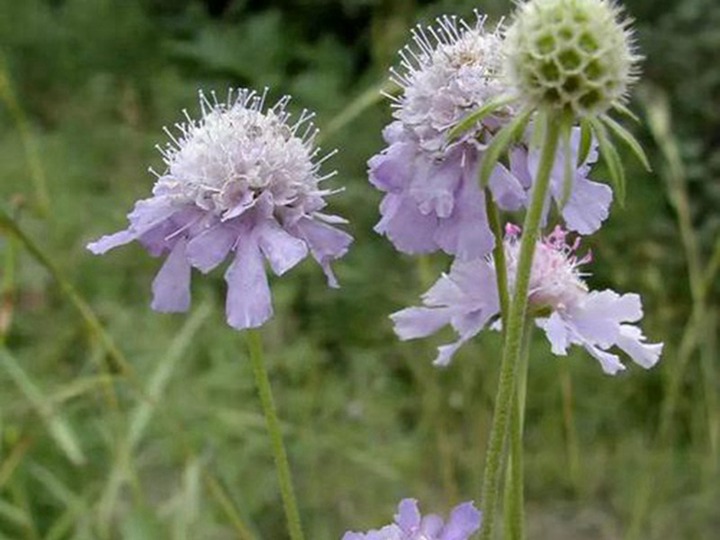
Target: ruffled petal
x,y
111,241
464,520
466,233
632,341
435,182
557,333
430,526
408,515
394,168
409,230
248,302
467,325
508,192
171,286
326,244
209,248
610,362
599,316
417,322
588,205
282,250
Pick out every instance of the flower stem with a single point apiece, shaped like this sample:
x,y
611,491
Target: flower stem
x,y
498,255
514,329
514,479
254,342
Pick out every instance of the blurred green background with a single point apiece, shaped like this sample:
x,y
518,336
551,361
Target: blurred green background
x,y
117,422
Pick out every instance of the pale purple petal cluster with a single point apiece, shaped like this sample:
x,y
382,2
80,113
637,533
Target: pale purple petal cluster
x,y
243,181
564,308
432,198
409,524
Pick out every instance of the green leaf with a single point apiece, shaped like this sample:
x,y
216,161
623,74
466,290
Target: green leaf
x,y
628,138
622,109
473,118
612,159
585,142
500,143
58,428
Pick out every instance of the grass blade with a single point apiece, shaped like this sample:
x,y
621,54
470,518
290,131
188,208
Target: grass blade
x,y
58,428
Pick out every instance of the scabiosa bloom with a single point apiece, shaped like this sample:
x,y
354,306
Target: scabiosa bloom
x,y
244,180
559,299
464,520
432,198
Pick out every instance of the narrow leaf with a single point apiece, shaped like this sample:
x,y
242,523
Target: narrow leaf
x,y
611,157
478,116
628,138
58,428
585,142
500,143
622,109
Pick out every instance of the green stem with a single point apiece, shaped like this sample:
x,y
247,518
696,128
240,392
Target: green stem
x,y
282,466
514,330
498,255
514,478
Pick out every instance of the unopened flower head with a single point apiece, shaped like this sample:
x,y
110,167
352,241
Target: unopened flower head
x,y
559,299
448,71
409,524
242,179
572,55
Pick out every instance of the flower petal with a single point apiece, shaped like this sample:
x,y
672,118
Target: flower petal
x,y
326,244
466,233
171,286
434,183
111,241
408,515
417,322
557,333
464,520
209,248
409,230
248,302
283,250
632,341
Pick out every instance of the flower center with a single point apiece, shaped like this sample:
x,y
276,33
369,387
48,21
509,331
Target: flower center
x,y
555,279
236,151
448,79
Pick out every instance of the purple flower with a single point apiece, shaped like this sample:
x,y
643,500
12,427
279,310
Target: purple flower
x,y
588,202
238,180
464,520
559,299
432,197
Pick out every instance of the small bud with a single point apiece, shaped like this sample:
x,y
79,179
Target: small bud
x,y
571,55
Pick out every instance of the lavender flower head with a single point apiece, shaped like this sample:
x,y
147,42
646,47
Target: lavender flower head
x,y
433,200
559,299
243,180
464,520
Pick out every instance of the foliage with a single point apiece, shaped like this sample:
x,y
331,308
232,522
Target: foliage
x,y
162,438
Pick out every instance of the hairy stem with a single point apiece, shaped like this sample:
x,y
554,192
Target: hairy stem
x,y
282,466
514,330
514,478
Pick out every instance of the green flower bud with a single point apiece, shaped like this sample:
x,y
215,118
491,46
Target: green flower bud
x,y
570,55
